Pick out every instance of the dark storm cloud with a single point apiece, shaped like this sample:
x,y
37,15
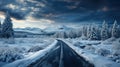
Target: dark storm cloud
x,y
13,7
63,10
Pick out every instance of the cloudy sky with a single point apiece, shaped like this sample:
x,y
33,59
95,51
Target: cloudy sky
x,y
43,13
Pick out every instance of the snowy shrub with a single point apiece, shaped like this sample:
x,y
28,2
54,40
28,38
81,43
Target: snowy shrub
x,y
20,50
115,56
103,52
118,61
83,37
80,45
116,52
9,54
69,40
89,47
35,48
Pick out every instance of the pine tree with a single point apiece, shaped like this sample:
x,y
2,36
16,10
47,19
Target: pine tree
x,y
7,27
93,34
115,29
72,34
84,31
104,31
88,31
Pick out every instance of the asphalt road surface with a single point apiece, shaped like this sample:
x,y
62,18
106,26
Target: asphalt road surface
x,y
61,56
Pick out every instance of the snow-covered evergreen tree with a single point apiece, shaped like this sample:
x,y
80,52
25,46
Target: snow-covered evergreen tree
x,y
93,34
84,31
115,29
7,27
104,31
78,32
72,34
60,34
88,31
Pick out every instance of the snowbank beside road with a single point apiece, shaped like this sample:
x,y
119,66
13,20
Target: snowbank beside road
x,y
98,61
25,62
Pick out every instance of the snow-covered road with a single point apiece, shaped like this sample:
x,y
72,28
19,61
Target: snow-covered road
x,y
62,56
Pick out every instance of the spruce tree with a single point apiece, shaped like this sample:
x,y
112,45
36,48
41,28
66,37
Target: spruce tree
x,y
93,34
104,31
89,31
7,27
115,29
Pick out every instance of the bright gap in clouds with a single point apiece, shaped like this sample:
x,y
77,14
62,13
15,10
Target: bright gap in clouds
x,y
41,23
28,22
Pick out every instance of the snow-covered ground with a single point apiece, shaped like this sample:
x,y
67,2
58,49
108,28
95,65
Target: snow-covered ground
x,y
21,48
27,42
25,62
100,53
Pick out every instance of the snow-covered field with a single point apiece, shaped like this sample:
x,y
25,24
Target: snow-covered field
x,y
20,48
100,53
